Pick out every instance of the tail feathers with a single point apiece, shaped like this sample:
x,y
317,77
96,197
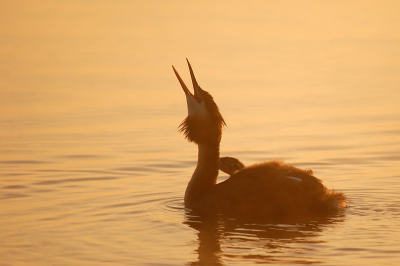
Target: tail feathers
x,y
335,200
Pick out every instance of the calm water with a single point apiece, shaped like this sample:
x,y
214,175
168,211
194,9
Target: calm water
x,y
93,170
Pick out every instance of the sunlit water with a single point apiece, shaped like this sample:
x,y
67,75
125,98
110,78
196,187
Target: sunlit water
x,y
93,169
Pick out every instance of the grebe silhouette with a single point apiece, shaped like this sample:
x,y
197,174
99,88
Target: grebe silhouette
x,y
271,190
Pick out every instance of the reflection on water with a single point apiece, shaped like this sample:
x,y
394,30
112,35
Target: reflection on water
x,y
93,170
260,243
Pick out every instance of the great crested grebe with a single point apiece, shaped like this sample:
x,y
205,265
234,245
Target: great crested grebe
x,y
268,189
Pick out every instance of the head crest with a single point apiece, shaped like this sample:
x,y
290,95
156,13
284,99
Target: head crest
x,y
204,122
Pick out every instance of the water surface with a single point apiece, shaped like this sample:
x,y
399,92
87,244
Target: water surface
x,y
93,170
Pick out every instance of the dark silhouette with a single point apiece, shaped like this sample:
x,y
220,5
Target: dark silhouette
x,y
271,191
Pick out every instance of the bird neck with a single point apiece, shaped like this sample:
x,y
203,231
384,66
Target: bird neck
x,y
205,176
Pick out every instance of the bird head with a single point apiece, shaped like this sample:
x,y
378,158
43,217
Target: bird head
x,y
204,121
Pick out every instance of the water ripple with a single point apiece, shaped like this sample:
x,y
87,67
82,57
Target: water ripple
x,y
72,180
14,187
23,162
172,205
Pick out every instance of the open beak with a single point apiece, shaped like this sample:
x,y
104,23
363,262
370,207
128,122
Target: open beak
x,y
196,87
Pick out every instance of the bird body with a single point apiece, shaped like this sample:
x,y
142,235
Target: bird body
x,y
271,190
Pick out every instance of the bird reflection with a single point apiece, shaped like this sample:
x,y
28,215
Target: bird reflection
x,y
222,239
